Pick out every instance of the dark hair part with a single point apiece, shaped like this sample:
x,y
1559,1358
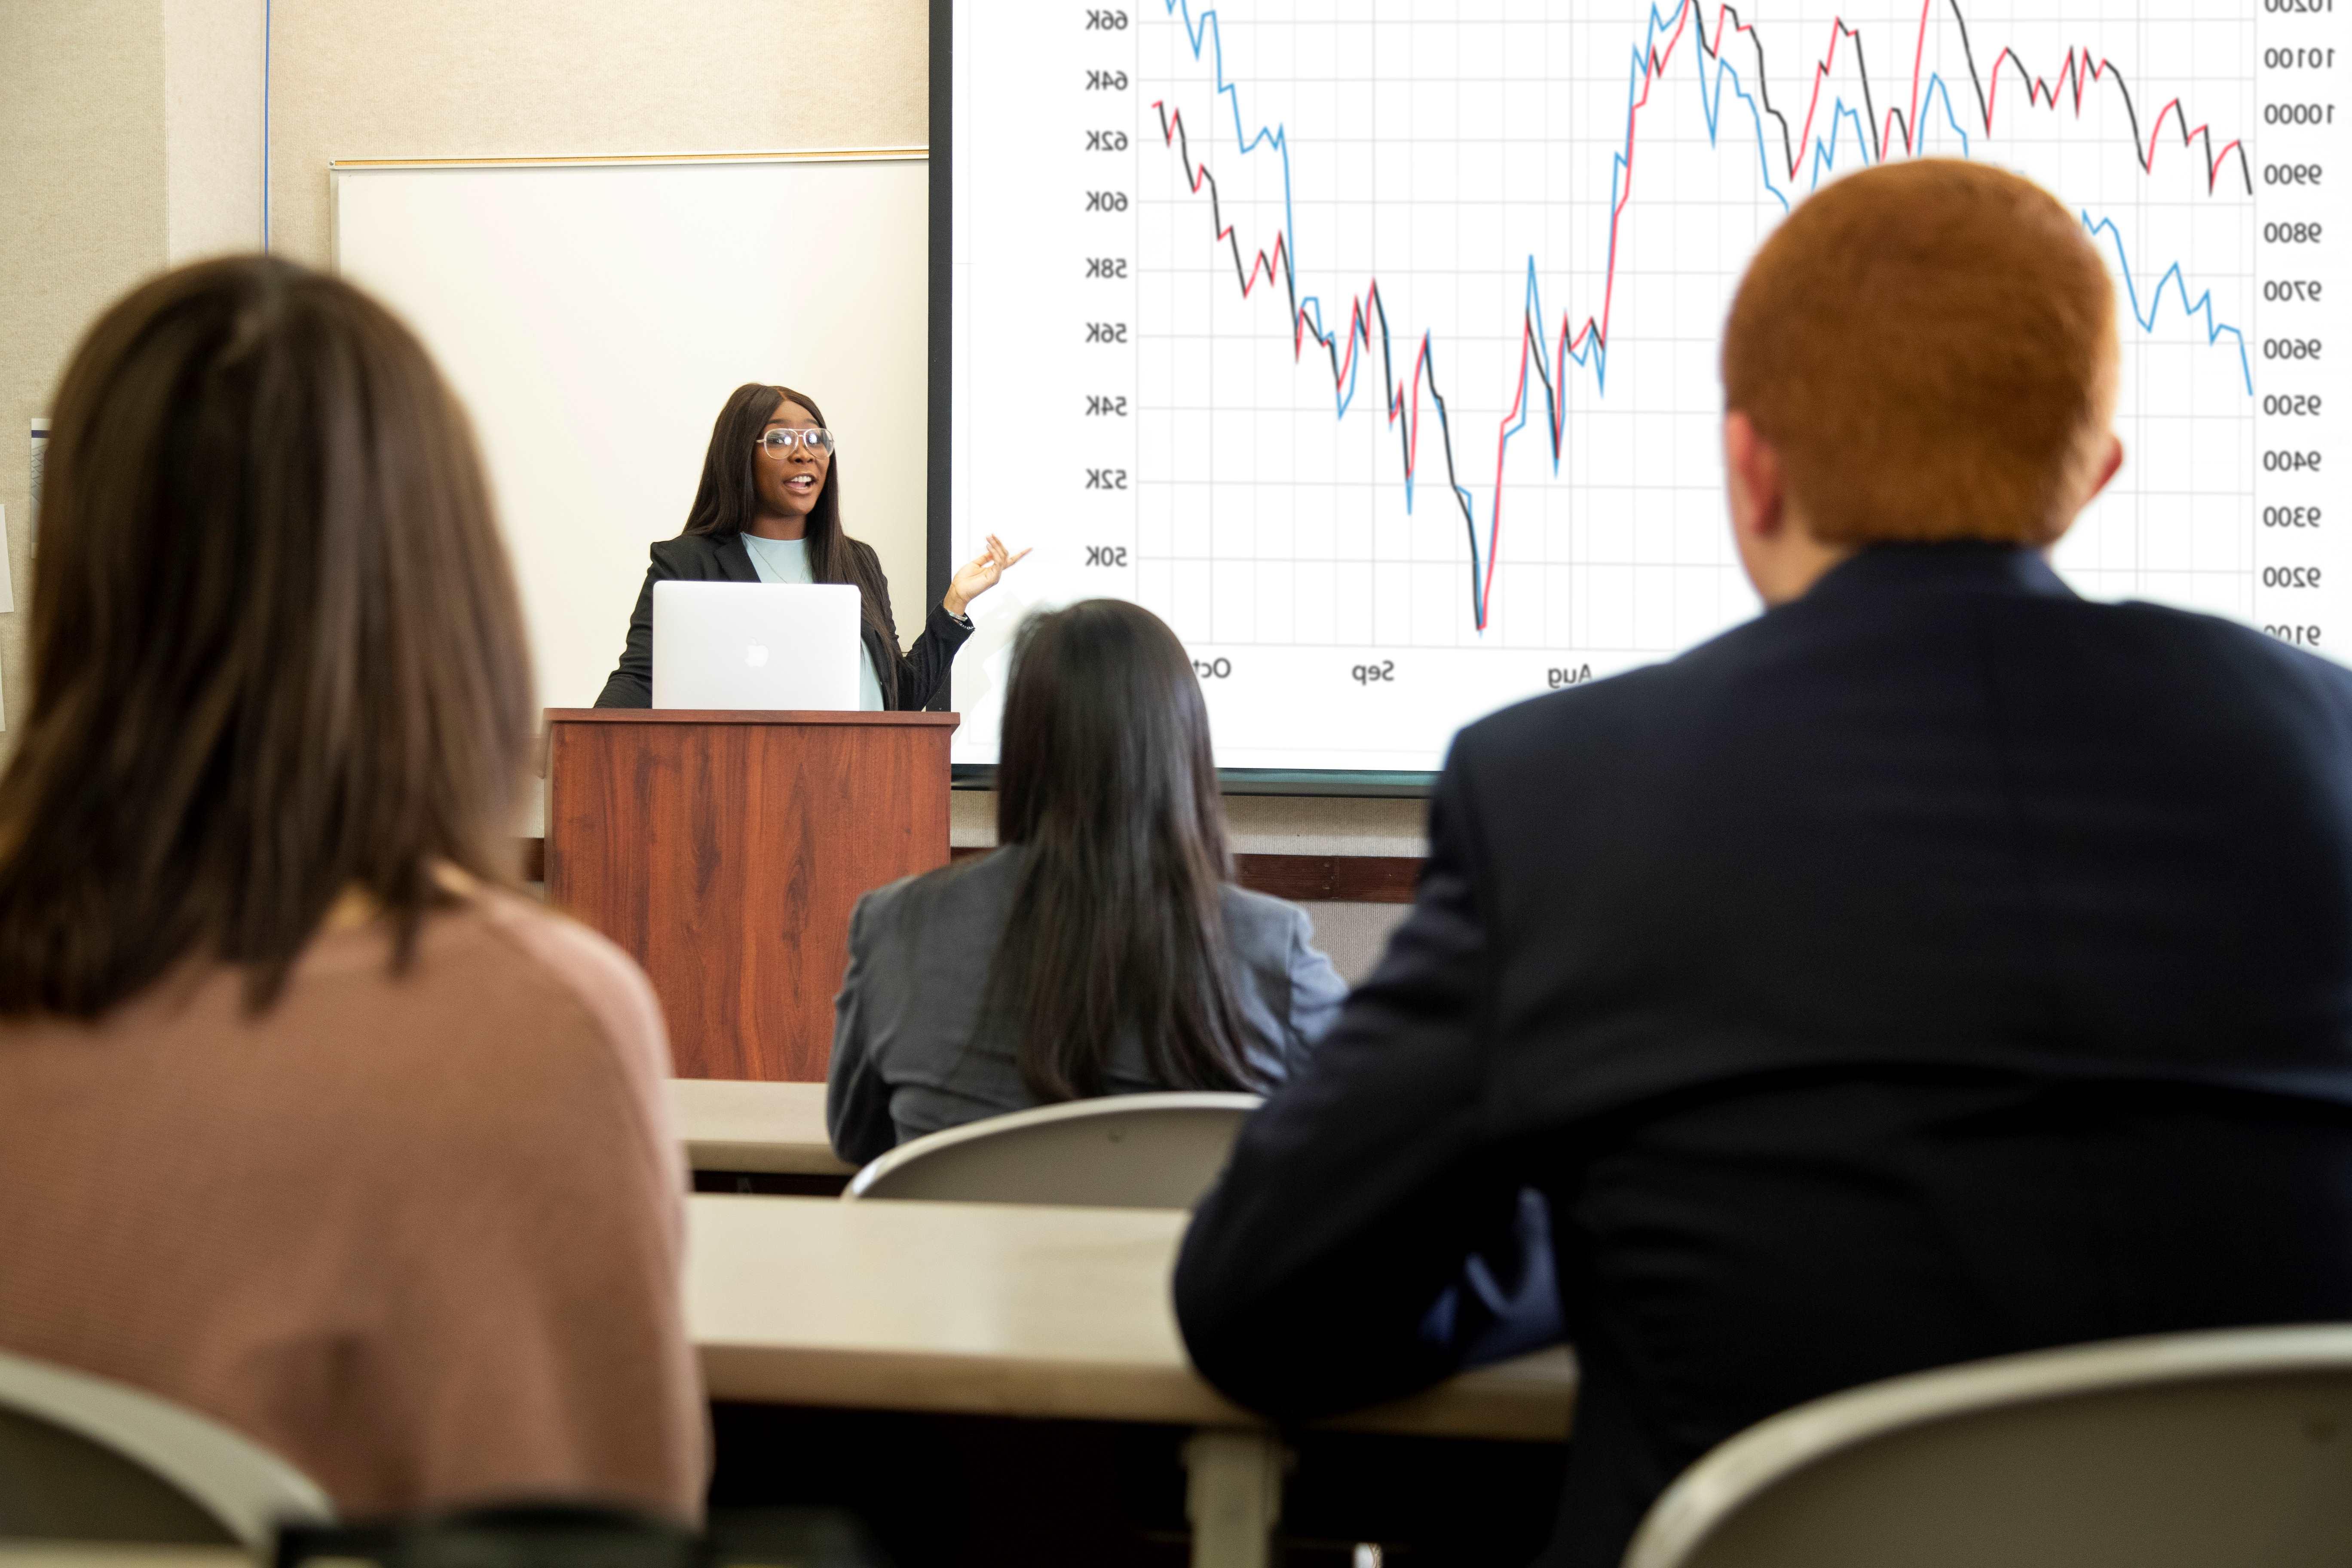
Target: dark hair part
x,y
277,649
1106,776
727,500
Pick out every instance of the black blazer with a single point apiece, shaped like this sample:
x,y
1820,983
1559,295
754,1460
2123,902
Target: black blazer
x,y
909,680
1937,966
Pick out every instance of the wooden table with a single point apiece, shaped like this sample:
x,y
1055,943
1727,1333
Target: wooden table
x,y
754,1127
1003,1310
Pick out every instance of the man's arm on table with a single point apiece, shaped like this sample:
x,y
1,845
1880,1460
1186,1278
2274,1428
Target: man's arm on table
x,y
1365,1240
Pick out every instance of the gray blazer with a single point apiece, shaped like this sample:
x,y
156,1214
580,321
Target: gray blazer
x,y
906,1055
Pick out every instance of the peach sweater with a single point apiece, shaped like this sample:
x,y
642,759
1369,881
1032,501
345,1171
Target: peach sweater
x,y
420,1235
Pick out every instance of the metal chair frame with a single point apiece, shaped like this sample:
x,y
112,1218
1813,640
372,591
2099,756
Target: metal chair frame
x,y
1687,1526
243,1486
1025,1141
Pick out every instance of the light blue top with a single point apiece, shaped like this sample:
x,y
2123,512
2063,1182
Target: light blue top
x,y
786,561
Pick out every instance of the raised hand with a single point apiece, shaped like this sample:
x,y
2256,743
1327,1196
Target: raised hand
x,y
979,574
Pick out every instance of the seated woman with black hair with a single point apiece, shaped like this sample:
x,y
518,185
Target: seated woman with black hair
x,y
768,510
1103,949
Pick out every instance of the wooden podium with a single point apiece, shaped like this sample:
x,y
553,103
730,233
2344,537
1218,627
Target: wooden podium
x,y
725,852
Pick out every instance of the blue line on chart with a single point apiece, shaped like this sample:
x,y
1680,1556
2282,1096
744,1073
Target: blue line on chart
x,y
1205,37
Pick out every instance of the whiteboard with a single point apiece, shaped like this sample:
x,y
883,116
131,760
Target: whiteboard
x,y
594,316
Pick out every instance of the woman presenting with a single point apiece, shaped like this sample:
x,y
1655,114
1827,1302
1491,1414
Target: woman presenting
x,y
769,511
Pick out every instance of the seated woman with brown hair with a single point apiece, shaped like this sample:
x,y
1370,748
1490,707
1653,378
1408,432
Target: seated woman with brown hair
x,y
1103,949
313,1125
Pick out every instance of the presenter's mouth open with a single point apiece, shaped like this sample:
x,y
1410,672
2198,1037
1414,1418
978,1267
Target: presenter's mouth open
x,y
795,455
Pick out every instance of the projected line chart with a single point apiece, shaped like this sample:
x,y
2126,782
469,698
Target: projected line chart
x,y
1586,343
1378,340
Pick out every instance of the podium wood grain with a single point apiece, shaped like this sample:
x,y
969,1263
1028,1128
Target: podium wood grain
x,y
725,851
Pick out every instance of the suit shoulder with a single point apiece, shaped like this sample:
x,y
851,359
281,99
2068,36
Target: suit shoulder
x,y
2218,631
2332,677
954,889
1261,926
689,555
2239,650
1606,709
869,564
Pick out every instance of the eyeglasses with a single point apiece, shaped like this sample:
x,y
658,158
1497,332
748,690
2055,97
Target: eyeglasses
x,y
780,442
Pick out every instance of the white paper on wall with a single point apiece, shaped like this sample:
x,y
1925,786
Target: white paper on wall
x,y
40,454
7,582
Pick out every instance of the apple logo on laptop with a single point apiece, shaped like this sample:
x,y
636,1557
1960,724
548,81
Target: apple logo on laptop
x,y
756,654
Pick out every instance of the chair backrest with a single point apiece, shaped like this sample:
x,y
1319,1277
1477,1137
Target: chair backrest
x,y
1124,1150
2208,1450
86,1458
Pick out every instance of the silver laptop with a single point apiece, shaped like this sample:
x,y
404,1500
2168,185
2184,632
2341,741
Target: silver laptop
x,y
756,645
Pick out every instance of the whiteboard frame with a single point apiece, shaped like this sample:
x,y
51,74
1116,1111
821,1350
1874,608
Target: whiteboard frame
x,y
338,167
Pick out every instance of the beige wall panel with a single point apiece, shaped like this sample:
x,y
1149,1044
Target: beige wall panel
x,y
212,127
470,79
81,219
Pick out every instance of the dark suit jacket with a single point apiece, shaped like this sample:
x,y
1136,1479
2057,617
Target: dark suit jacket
x,y
1935,967
909,680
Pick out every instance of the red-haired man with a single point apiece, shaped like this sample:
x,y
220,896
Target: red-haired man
x,y
1936,966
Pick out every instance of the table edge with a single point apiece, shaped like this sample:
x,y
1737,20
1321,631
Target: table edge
x,y
555,716
763,1157
923,1382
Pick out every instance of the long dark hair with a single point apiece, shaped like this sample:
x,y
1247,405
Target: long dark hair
x,y
728,499
277,649
1106,776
